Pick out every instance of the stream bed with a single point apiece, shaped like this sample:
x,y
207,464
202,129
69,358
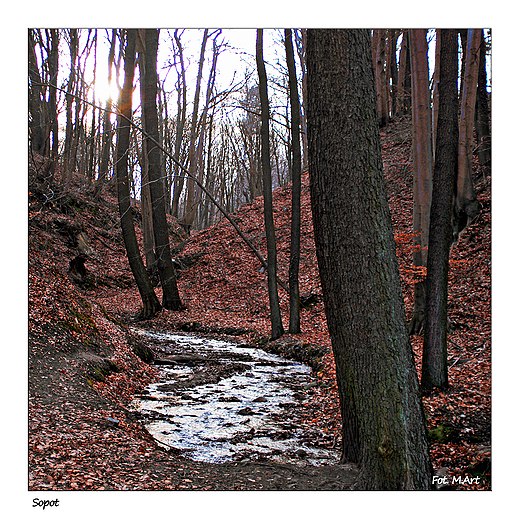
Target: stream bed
x,y
217,401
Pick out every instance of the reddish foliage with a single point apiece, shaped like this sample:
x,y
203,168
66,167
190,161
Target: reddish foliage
x,y
224,287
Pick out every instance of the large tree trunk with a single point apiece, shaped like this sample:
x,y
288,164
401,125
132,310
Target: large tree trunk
x,y
423,168
274,304
294,262
171,298
434,363
151,304
383,422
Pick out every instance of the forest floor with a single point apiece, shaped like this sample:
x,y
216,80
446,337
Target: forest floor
x,y
84,370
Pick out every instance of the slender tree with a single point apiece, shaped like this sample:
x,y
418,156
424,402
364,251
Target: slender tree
x,y
467,207
36,105
171,298
434,363
274,304
384,429
178,181
482,115
423,168
146,197
151,304
189,214
294,263
107,125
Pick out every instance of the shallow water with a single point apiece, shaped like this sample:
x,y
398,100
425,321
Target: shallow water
x,y
248,415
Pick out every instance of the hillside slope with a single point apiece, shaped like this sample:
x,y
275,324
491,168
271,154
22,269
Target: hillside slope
x,y
83,366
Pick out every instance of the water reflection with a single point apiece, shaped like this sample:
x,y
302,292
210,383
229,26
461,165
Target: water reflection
x,y
247,415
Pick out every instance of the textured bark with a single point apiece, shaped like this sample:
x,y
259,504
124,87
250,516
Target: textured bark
x,y
151,304
434,363
294,262
423,168
274,304
383,422
171,298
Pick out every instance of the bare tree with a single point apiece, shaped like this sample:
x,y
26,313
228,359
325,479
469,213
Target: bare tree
x,y
423,168
171,298
274,305
384,429
467,207
434,360
151,304
294,264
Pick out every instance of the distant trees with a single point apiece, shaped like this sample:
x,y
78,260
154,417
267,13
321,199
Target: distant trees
x,y
383,423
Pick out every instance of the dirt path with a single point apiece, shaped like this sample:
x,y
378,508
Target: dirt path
x,y
89,438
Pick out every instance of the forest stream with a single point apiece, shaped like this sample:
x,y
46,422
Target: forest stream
x,y
216,401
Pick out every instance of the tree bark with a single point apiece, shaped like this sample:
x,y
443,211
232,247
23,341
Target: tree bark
x,y
482,117
423,168
434,363
294,262
35,101
171,298
151,304
274,304
383,422
146,197
467,207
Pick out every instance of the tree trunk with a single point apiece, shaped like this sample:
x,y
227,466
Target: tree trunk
x,y
35,100
171,298
434,363
423,167
179,130
482,117
467,207
301,46
383,422
70,129
189,213
274,305
151,304
107,126
403,73
53,42
294,262
146,197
